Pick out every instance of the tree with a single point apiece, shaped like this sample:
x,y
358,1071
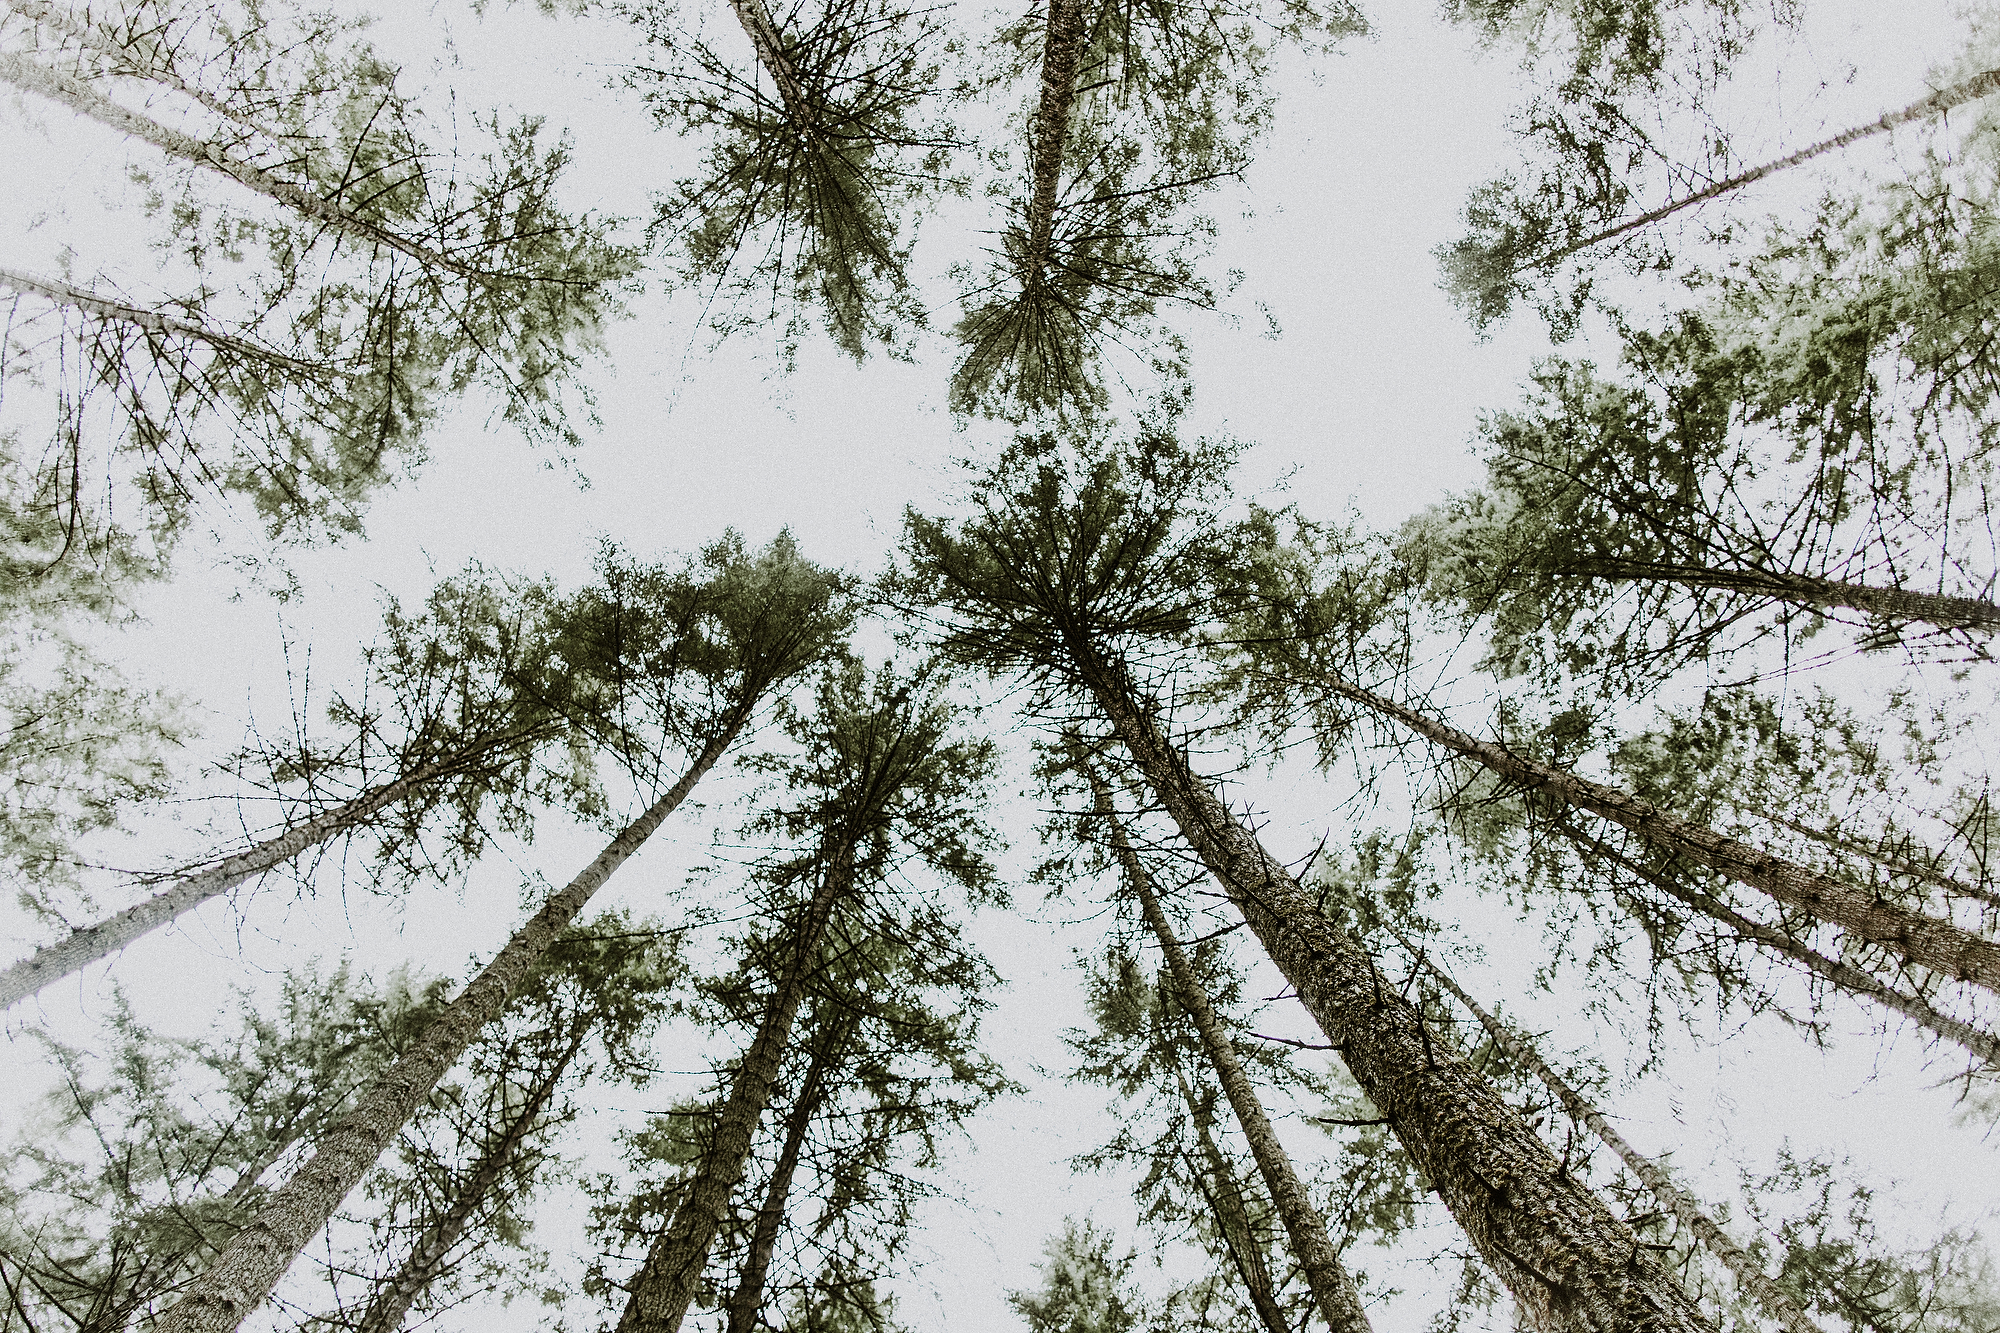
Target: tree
x,y
1085,1288
1076,568
763,621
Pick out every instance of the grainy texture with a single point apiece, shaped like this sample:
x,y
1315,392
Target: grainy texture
x,y
1895,604
1568,1261
764,39
77,298
1232,1216
1049,133
1927,941
1691,1214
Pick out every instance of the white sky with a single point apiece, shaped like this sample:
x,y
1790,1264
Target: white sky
x,y
1368,398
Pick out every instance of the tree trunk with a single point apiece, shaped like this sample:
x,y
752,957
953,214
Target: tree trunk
x,y
1900,604
1049,133
1923,940
1232,1217
748,1300
392,1301
149,321
1333,1290
248,1269
1753,1280
88,102
1845,975
667,1281
765,40
1979,85
86,945
1568,1261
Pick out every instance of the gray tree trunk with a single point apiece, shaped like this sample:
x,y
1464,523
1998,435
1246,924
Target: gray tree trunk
x,y
667,1281
770,48
90,303
1049,132
1568,1261
1332,1288
88,944
1900,604
249,1267
1232,1217
385,1313
748,1299
1753,1280
1927,941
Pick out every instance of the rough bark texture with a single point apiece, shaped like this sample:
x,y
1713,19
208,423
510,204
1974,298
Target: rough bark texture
x,y
1924,940
248,1269
90,943
147,321
1845,975
1333,1289
670,1276
1900,604
1232,1217
86,101
1568,1261
392,1301
1978,86
1049,133
1776,1303
770,48
748,1299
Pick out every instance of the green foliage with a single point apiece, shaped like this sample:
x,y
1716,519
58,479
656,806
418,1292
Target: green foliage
x,y
1086,1287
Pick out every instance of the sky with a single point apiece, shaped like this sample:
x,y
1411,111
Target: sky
x,y
1368,398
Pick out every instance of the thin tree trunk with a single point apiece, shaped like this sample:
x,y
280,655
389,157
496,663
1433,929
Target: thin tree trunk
x,y
667,1281
248,1269
393,1299
1049,133
1842,974
1978,86
1925,940
748,1299
1232,1217
88,944
1333,1290
769,45
1902,604
1753,1280
88,102
1932,874
147,321
1568,1261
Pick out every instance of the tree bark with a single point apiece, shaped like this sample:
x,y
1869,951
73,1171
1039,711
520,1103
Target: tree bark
x,y
1568,1261
1753,1280
248,1269
666,1283
1844,975
770,48
86,945
1232,1217
1903,604
1049,133
1978,86
1924,940
385,1313
87,302
748,1299
88,102
1332,1288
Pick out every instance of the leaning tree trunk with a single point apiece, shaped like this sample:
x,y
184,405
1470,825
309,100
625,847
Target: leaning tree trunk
x,y
1232,1216
1049,133
86,101
1776,1303
762,30
747,1302
1568,1261
88,944
1924,940
1904,604
667,1281
392,1301
248,1268
1978,86
1842,974
1332,1288
158,323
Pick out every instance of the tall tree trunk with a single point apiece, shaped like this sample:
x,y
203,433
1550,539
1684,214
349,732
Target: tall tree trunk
x,y
1924,940
1969,613
1568,1261
1753,1280
86,101
667,1281
248,1269
770,48
1978,86
90,303
88,944
1333,1290
1842,974
748,1299
393,1299
1049,133
1232,1216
